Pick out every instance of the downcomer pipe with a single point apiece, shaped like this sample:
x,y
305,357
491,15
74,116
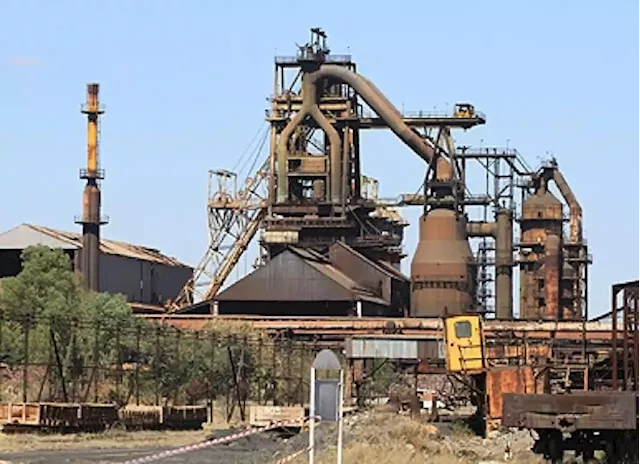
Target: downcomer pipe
x,y
504,264
309,108
378,102
502,231
372,96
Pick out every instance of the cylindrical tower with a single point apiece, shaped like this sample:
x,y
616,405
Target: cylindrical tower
x,y
442,266
542,215
504,263
91,219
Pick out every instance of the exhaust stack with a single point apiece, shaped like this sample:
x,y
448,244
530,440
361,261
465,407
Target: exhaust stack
x,y
91,219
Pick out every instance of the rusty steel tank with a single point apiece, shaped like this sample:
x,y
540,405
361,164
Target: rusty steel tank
x,y
442,269
542,216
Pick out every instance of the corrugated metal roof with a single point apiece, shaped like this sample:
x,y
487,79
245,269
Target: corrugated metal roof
x,y
382,266
322,265
392,270
26,235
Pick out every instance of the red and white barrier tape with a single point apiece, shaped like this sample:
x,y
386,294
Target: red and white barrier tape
x,y
291,457
216,441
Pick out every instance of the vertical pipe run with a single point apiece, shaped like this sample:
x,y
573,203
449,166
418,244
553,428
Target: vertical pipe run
x,y
504,270
90,219
552,257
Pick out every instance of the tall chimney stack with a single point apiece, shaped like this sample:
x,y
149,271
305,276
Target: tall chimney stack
x,y
91,219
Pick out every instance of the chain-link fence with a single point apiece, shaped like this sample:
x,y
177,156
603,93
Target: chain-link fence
x,y
137,362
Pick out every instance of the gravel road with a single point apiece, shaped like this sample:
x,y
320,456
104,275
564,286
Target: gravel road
x,y
255,449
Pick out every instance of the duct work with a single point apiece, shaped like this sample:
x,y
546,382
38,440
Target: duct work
x,y
502,231
442,266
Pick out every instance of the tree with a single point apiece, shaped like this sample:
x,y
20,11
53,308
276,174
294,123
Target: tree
x,y
46,287
48,317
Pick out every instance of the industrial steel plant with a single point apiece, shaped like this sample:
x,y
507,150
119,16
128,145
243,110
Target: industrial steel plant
x,y
318,206
330,254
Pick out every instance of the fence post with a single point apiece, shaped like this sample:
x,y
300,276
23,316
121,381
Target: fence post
x,y
156,366
137,378
212,377
177,386
118,361
25,365
96,362
73,328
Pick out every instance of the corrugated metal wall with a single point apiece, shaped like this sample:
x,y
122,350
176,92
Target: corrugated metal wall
x,y
141,281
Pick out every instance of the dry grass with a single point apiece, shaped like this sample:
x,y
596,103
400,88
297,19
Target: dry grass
x,y
110,439
393,439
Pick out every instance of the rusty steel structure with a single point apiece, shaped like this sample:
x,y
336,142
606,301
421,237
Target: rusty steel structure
x,y
597,409
91,218
553,264
315,192
315,195
310,193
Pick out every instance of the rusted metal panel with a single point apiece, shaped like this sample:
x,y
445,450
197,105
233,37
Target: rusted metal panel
x,y
569,412
431,349
314,164
507,380
552,263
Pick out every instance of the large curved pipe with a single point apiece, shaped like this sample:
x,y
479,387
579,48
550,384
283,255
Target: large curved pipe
x,y
379,103
309,108
575,210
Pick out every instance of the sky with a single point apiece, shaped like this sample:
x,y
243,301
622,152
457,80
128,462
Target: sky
x,y
185,85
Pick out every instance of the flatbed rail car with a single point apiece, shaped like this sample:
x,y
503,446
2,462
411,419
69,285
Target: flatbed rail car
x,y
164,417
604,415
85,417
583,421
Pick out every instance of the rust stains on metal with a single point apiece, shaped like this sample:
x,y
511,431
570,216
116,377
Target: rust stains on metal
x,y
579,411
409,327
441,278
507,380
91,219
552,258
541,216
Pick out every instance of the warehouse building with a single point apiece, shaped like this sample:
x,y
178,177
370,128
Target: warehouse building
x,y
144,275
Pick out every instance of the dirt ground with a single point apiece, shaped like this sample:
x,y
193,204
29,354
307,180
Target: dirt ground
x,y
373,436
390,438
